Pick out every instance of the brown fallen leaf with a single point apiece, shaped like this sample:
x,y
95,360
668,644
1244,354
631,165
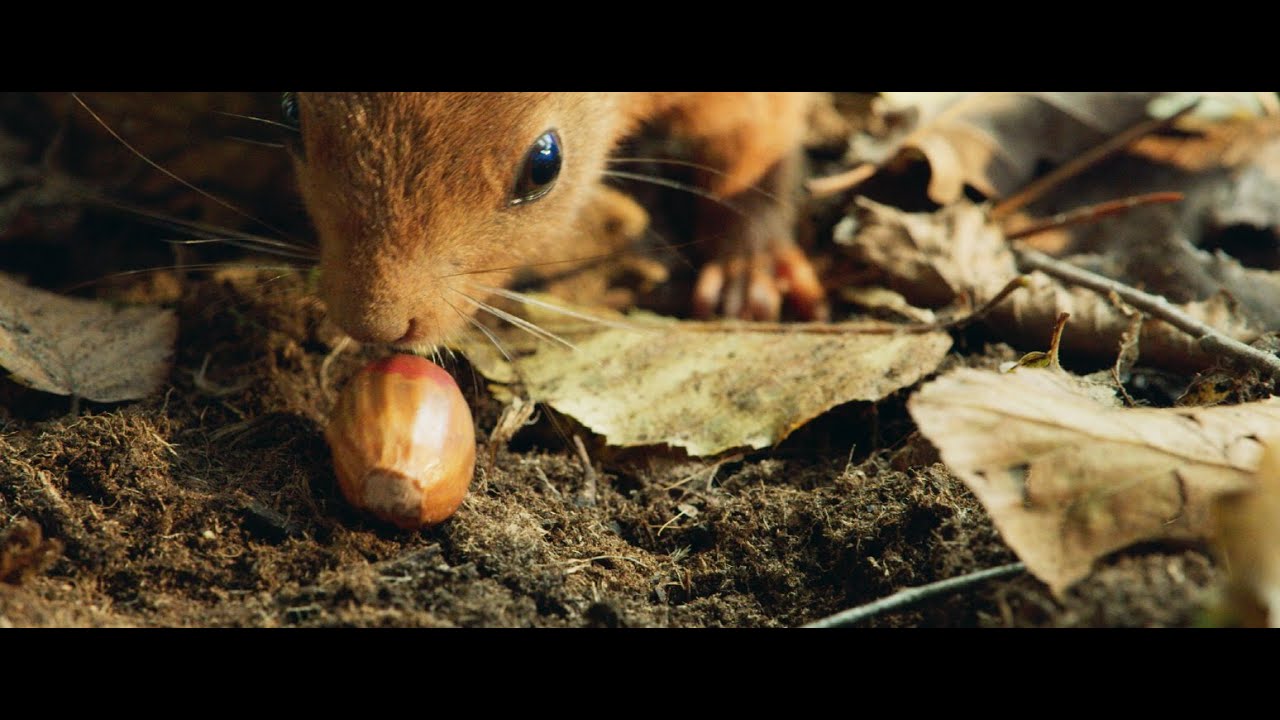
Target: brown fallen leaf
x,y
1067,479
705,387
517,414
1248,532
931,258
879,301
85,348
1098,327
995,141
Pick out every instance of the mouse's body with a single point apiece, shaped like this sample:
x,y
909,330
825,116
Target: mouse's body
x,y
418,198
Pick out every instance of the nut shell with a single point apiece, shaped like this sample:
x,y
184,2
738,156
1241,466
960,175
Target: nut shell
x,y
403,442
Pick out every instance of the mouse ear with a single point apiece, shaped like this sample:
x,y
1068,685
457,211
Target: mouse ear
x,y
540,169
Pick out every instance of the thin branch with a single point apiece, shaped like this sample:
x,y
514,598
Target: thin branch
x,y
1016,283
1070,169
1090,213
589,492
821,187
911,596
1209,338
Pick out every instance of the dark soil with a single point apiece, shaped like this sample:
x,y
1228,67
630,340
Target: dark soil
x,y
214,503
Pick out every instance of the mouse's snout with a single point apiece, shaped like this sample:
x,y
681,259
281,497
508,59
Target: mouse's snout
x,y
394,332
375,313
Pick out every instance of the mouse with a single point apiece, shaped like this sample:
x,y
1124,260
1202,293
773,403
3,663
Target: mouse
x,y
421,200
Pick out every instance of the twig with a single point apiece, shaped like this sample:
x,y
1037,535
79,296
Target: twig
x,y
547,481
1209,338
1055,340
1090,213
589,494
206,386
1079,164
957,323
337,350
911,596
857,327
821,187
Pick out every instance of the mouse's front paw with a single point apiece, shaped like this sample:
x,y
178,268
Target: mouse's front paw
x,y
753,286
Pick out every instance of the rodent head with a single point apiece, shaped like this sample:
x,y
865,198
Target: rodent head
x,y
418,198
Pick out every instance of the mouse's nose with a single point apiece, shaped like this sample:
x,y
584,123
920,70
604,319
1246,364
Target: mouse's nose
x,y
386,329
375,325
387,333
413,335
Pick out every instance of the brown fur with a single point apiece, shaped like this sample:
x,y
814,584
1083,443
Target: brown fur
x,y
410,192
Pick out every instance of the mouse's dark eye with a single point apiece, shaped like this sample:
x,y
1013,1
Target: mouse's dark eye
x,y
289,109
540,170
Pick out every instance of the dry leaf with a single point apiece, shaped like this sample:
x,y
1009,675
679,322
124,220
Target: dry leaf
x,y
886,303
1068,480
931,257
995,141
85,348
517,414
707,388
1229,175
1098,328
1248,525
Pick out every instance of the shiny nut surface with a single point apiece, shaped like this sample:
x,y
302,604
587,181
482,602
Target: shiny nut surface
x,y
403,442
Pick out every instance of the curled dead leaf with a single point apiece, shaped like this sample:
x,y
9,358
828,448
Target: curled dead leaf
x,y
1068,479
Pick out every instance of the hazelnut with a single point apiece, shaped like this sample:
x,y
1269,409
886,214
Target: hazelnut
x,y
403,442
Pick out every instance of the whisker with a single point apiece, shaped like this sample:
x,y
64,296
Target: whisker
x,y
671,247
665,182
697,166
197,267
588,262
217,305
184,183
515,367
247,245
234,237
480,326
261,143
584,259
527,300
453,357
264,121
517,321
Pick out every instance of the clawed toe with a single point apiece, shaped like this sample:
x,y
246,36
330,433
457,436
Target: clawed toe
x,y
754,287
